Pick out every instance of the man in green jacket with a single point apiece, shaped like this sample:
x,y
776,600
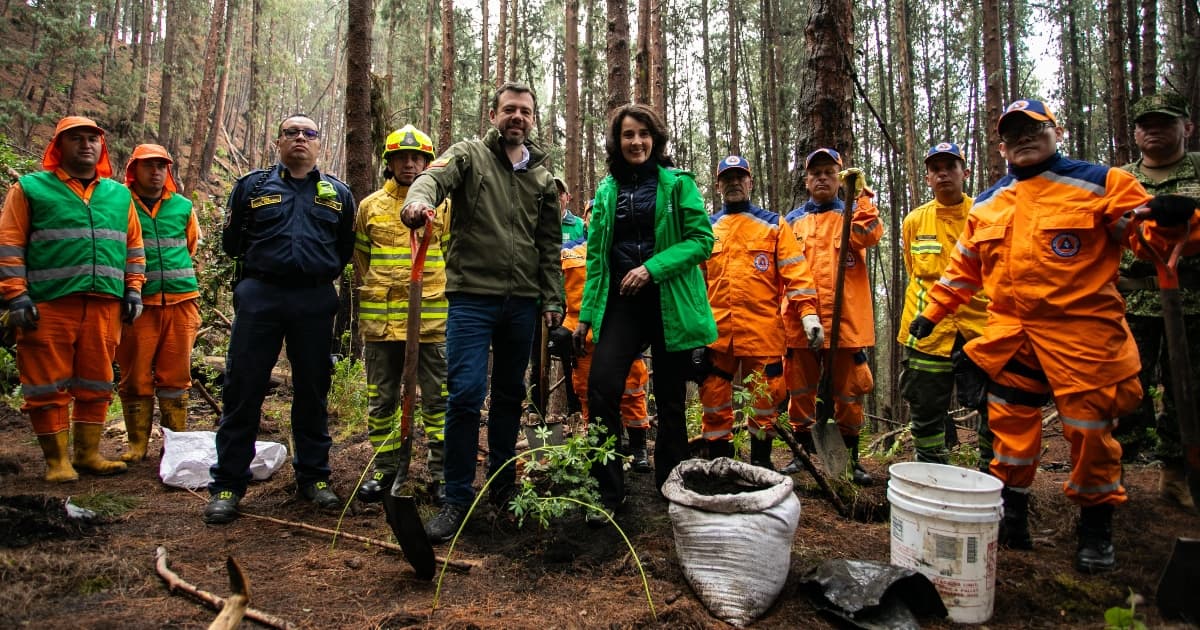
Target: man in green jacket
x,y
502,268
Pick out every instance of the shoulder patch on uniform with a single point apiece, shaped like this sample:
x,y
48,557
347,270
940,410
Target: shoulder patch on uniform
x,y
439,163
265,200
329,203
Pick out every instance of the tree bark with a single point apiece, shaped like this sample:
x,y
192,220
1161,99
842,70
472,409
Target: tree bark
x,y
139,116
1149,74
218,121
641,66
993,68
710,106
431,10
254,112
735,136
170,66
359,150
902,50
204,108
1014,60
658,60
617,53
826,99
501,42
446,124
484,70
1117,80
571,162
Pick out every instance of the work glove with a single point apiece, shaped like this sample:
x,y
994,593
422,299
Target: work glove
x,y
860,180
579,338
921,327
1171,210
414,215
559,343
131,306
23,313
814,331
702,365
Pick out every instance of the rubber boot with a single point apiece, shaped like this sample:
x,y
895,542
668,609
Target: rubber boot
x,y
1173,484
805,440
720,448
173,412
58,461
760,452
859,475
87,451
1095,552
1014,527
139,413
637,448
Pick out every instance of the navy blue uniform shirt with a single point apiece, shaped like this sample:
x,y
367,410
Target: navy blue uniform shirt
x,y
291,229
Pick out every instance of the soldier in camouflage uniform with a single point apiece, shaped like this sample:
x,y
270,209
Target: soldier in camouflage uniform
x,y
1162,126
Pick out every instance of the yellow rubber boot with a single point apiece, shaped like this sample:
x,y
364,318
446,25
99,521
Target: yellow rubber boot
x,y
139,413
173,412
87,451
58,461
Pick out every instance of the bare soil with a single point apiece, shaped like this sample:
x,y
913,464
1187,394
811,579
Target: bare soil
x,y
57,574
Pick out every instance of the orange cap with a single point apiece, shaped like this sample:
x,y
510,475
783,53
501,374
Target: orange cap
x,y
52,158
151,152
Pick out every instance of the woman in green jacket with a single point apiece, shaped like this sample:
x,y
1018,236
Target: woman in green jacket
x,y
648,235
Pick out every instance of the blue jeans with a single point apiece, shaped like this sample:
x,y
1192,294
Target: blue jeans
x,y
264,316
474,323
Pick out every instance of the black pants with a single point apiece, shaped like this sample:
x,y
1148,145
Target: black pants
x,y
630,324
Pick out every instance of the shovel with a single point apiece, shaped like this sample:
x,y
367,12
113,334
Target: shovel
x,y
401,511
1181,366
831,448
1176,596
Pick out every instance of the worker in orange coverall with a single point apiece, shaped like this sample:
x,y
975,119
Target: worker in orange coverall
x,y
818,228
634,416
1044,243
155,354
71,269
756,265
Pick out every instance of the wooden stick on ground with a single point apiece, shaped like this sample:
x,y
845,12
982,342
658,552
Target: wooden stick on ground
x,y
237,603
462,565
176,583
785,433
212,402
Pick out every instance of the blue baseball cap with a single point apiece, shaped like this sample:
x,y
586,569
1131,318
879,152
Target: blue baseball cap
x,y
834,155
944,148
733,162
1030,108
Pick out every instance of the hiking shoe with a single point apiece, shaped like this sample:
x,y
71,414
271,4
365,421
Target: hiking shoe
x,y
221,508
860,476
445,524
321,495
372,489
641,460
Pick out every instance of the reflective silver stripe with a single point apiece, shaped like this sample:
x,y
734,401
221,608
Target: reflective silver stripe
x,y
83,383
866,229
1086,425
1095,189
1015,461
801,391
958,284
969,253
63,234
12,250
1105,489
791,261
41,275
34,391
796,292
637,390
718,409
15,271
169,393
711,435
132,268
993,398
178,273
1019,490
760,412
135,252
164,242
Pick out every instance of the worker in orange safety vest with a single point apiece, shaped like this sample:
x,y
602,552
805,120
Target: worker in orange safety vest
x,y
756,265
71,269
155,353
1044,244
634,416
818,228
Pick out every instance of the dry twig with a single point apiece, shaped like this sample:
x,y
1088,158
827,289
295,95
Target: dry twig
x,y
176,583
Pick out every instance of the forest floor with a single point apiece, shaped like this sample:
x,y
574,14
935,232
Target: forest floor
x,y
567,576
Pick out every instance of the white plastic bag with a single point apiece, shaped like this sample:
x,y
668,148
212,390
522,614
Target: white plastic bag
x,y
187,456
733,525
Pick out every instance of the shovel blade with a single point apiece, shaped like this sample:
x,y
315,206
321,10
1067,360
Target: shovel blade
x,y
406,526
831,448
1176,596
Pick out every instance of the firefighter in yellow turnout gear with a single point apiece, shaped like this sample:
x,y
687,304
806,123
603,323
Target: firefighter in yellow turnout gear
x,y
383,264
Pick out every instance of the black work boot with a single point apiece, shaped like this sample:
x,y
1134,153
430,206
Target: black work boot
x,y
760,452
805,439
371,491
637,448
1014,527
1095,552
859,475
720,448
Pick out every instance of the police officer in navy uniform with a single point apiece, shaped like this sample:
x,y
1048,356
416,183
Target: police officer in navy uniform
x,y
292,229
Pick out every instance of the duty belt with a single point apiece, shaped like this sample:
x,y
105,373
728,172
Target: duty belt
x,y
296,281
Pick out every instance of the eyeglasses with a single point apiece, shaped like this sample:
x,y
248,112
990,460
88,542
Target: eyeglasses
x,y
294,132
1027,130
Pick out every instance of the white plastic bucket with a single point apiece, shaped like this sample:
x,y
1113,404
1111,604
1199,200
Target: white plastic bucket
x,y
944,523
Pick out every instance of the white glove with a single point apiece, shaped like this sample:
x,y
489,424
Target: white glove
x,y
813,330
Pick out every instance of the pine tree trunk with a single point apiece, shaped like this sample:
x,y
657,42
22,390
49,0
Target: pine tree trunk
x,y
641,74
993,68
826,99
1014,60
1117,79
359,150
446,125
254,112
617,53
484,71
571,162
431,11
1149,76
735,135
513,13
902,49
204,108
710,106
139,116
658,59
170,66
218,121
501,42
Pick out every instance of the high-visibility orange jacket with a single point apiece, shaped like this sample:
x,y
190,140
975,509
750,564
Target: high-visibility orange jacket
x,y
574,269
1044,243
929,236
755,266
818,229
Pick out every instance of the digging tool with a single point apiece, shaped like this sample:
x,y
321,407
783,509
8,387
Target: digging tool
x,y
1181,366
401,511
1176,593
785,433
236,604
830,446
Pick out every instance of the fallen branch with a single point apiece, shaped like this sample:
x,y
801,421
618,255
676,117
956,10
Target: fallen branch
x,y
208,397
176,583
879,441
462,565
785,433
237,603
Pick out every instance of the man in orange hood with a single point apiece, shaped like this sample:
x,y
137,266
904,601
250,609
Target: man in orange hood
x,y
71,268
156,350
